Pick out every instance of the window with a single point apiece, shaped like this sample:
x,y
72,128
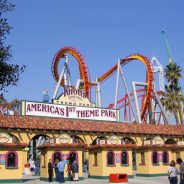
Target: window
x,y
142,158
110,158
95,159
11,159
73,155
165,157
56,155
124,157
155,157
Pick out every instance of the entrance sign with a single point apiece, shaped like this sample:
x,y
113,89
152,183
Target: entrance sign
x,y
4,138
64,138
63,111
158,140
180,143
114,140
74,97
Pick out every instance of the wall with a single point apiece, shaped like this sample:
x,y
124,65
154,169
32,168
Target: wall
x,y
150,169
11,174
102,170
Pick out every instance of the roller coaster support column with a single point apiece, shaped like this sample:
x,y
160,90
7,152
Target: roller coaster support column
x,y
124,82
162,109
117,85
136,99
98,94
59,81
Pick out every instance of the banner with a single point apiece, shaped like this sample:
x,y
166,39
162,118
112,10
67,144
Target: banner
x,y
63,111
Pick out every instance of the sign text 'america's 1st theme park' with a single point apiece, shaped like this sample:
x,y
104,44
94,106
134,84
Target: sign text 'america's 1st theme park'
x,y
74,112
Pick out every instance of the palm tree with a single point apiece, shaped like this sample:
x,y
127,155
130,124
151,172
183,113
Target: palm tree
x,y
173,98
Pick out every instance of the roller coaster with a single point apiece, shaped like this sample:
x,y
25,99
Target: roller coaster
x,y
140,105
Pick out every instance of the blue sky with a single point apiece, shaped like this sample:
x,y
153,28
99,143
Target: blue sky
x,y
102,31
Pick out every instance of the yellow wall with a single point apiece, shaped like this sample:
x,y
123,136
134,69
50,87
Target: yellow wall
x,y
14,173
102,169
149,168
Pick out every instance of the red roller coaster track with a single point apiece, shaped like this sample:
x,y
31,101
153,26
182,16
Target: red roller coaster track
x,y
149,78
82,67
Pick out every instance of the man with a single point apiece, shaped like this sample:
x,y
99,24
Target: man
x,y
50,170
61,167
181,169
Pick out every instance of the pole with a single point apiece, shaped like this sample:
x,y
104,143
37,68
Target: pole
x,y
117,85
131,105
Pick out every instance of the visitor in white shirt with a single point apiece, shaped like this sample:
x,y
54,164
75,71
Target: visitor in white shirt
x,y
172,173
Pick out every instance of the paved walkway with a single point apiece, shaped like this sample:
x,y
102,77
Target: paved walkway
x,y
135,180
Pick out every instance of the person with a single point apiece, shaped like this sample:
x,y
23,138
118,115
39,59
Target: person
x,y
181,169
85,165
56,169
172,173
69,170
37,167
75,170
50,170
61,167
32,167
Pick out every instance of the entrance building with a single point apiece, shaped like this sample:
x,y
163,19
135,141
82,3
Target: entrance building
x,y
108,146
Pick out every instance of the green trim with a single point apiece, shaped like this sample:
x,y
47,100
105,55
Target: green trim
x,y
11,167
99,177
11,181
106,177
152,175
130,176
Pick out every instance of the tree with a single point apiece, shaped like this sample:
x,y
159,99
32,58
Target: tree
x,y
173,98
9,73
7,107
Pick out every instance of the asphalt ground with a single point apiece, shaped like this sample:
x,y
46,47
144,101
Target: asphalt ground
x,y
135,180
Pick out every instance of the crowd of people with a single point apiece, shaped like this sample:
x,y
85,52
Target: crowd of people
x,y
59,167
173,171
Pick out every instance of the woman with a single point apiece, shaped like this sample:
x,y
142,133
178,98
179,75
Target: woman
x,y
172,173
50,170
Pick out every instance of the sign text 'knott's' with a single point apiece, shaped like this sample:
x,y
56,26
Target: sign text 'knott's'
x,y
55,110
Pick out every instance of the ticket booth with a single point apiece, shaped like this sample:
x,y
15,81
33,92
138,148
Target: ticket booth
x,y
11,162
153,160
67,152
110,159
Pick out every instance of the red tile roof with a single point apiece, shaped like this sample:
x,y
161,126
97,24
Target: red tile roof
x,y
44,123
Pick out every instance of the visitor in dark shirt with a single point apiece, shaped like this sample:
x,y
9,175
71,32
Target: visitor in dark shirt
x,y
50,170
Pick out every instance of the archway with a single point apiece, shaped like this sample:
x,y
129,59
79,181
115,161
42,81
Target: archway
x,y
35,142
100,140
170,141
